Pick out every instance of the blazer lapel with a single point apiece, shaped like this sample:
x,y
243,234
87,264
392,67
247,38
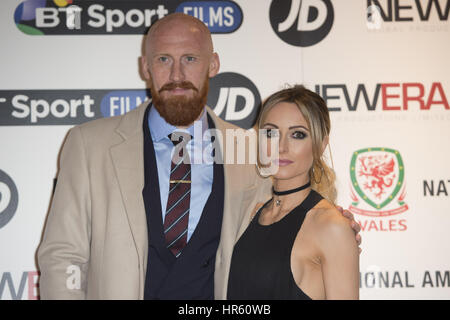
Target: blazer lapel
x,y
229,217
231,214
128,160
238,204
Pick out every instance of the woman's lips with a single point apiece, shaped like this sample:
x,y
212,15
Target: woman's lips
x,y
283,162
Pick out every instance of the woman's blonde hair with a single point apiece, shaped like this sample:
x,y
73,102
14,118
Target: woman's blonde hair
x,y
315,112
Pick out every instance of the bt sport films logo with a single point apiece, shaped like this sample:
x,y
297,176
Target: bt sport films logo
x,y
378,189
232,96
74,17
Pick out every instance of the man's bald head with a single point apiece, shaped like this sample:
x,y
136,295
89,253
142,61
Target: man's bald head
x,y
178,62
176,22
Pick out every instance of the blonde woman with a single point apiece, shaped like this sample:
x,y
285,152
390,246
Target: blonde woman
x,y
298,245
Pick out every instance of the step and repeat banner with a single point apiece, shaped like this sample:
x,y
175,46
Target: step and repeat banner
x,y
382,66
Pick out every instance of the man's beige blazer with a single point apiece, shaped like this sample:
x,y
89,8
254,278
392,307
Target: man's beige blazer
x,y
95,240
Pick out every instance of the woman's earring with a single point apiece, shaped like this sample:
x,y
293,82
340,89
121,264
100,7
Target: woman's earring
x,y
263,172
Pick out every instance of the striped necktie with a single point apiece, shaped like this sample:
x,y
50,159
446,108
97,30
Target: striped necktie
x,y
178,201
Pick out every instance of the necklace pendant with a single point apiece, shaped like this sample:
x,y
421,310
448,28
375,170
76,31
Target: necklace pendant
x,y
277,203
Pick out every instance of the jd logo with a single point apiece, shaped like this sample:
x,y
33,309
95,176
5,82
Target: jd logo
x,y
377,176
301,23
9,199
234,98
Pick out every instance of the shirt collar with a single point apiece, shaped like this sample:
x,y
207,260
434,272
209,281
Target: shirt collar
x,y
160,129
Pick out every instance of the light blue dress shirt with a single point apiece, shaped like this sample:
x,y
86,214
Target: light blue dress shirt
x,y
201,171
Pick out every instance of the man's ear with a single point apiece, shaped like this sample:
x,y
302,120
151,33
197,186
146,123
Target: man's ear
x,y
325,141
214,65
144,68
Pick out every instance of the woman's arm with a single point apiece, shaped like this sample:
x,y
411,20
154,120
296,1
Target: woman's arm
x,y
339,257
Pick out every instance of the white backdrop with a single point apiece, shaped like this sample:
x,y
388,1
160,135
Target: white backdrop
x,y
397,60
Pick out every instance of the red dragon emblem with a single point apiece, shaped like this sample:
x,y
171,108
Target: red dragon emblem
x,y
377,182
379,173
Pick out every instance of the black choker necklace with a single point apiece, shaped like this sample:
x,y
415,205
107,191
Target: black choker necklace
x,y
283,193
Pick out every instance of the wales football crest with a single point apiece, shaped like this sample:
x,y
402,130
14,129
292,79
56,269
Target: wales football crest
x,y
377,182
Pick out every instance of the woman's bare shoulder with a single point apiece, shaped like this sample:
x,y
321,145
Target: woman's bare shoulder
x,y
329,221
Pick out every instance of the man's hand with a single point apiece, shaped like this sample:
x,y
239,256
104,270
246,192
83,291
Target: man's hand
x,y
355,225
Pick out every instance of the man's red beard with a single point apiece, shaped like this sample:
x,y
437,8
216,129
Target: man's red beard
x,y
180,111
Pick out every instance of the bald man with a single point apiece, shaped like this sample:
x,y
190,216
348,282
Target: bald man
x,y
127,221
